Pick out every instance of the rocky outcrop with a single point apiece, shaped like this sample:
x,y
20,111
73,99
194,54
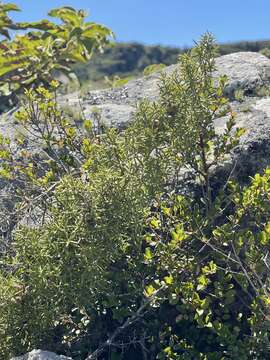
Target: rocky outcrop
x,y
247,71
41,355
253,153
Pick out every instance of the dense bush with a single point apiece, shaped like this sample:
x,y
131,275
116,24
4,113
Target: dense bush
x,y
217,273
128,258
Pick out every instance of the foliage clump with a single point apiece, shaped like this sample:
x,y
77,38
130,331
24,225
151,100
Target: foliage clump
x,y
45,47
126,262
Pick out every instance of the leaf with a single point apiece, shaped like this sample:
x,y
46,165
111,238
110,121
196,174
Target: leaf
x,y
68,15
202,282
200,311
148,254
57,11
264,237
150,290
9,7
168,350
77,31
42,25
96,30
154,223
7,68
267,228
5,33
88,125
240,132
168,280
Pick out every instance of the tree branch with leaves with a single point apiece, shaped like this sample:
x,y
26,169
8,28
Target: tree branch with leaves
x,y
31,58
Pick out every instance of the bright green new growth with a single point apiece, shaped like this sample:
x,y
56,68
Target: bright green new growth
x,y
123,263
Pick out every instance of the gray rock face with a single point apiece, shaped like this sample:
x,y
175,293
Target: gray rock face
x,y
253,153
247,71
41,355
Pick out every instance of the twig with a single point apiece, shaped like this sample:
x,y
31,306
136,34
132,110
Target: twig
x,y
130,321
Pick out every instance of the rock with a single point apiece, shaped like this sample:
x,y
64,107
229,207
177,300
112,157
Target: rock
x,y
112,114
247,71
253,153
41,355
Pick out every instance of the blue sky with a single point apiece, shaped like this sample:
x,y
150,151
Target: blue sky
x,y
167,22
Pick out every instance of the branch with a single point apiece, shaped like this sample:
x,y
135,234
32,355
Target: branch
x,y
130,321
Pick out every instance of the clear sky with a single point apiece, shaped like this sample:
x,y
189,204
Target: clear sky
x,y
167,22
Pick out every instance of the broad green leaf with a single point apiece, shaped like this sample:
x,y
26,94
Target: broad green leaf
x,y
9,7
67,15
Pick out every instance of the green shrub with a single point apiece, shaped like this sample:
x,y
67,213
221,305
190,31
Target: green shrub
x,y
217,301
128,261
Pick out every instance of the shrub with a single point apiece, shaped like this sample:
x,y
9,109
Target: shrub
x,y
127,260
216,271
33,57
